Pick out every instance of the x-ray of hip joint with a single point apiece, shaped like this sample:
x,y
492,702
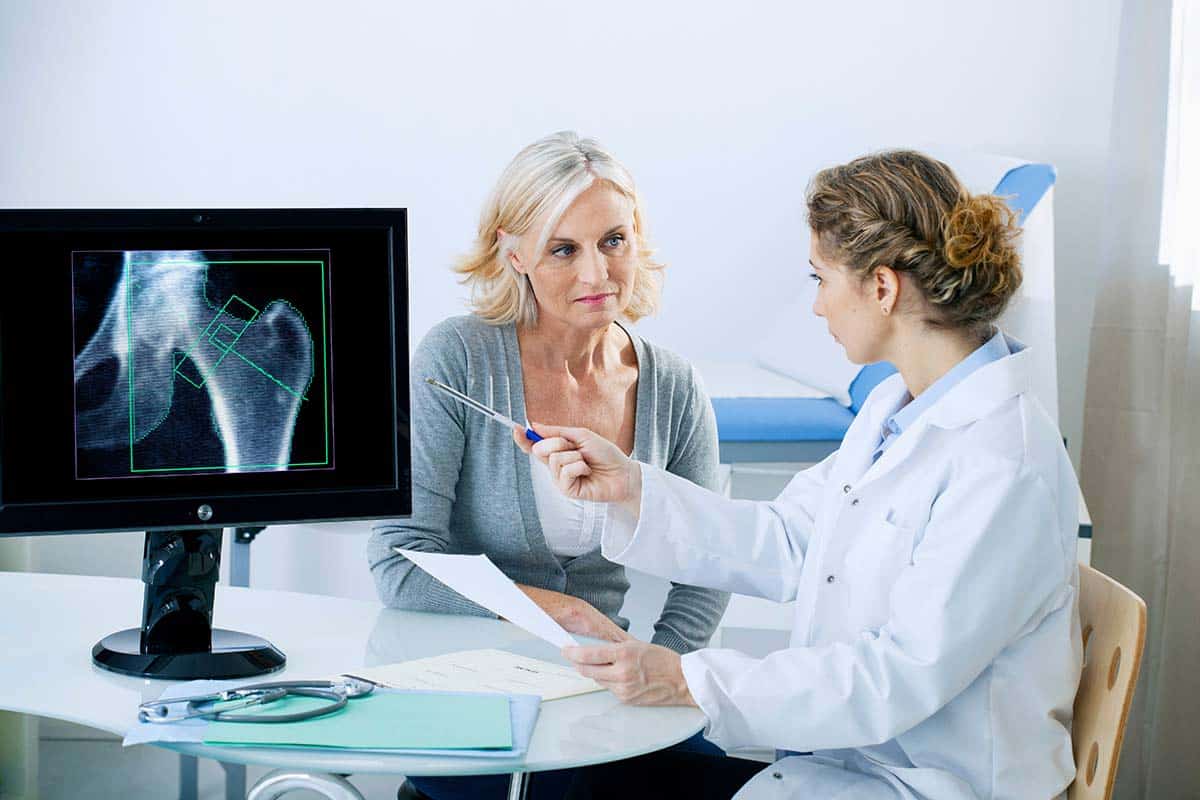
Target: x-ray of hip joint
x,y
193,362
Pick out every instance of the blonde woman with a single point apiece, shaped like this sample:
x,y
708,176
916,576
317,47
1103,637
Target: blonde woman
x,y
559,268
936,648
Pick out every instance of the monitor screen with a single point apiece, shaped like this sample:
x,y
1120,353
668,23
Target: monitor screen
x,y
216,368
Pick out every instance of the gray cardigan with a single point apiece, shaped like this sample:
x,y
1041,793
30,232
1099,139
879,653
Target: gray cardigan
x,y
479,498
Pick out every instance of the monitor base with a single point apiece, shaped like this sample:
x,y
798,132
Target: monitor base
x,y
177,640
232,655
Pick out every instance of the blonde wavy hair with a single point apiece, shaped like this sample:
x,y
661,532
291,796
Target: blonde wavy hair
x,y
545,178
905,210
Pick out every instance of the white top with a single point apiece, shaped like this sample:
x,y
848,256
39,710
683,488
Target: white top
x,y
936,645
571,527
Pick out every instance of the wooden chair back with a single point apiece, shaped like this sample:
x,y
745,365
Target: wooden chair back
x,y
1114,632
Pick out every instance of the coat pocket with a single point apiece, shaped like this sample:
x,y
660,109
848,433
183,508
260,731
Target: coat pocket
x,y
877,557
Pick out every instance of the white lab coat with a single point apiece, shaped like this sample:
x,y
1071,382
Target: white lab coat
x,y
936,646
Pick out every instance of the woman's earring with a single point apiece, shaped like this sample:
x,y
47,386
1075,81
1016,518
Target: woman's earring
x,y
887,310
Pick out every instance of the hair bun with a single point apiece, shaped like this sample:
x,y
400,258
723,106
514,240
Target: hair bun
x,y
981,229
980,237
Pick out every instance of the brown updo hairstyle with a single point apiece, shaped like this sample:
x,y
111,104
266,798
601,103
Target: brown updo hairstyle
x,y
907,211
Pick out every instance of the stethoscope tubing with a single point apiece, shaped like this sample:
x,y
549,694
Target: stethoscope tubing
x,y
338,693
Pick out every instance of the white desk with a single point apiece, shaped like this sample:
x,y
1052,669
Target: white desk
x,y
50,623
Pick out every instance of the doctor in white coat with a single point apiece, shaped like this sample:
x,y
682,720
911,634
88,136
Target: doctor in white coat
x,y
936,646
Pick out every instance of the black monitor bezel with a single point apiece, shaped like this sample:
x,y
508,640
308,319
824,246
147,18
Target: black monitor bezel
x,y
235,508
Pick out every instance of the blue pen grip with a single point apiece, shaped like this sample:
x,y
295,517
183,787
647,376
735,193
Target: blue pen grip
x,y
531,435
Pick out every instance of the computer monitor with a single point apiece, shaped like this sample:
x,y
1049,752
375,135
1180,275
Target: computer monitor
x,y
181,372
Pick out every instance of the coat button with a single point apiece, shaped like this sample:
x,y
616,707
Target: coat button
x,y
830,579
777,776
846,489
854,502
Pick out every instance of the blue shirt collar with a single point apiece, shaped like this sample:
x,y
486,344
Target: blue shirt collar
x,y
994,349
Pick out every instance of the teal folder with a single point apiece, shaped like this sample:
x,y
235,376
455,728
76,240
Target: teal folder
x,y
381,721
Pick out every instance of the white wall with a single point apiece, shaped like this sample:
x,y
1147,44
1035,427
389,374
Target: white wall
x,y
722,112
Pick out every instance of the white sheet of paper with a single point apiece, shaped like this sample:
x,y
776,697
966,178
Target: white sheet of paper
x,y
483,671
478,579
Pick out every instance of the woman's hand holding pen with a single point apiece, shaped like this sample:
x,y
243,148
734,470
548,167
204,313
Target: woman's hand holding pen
x,y
585,465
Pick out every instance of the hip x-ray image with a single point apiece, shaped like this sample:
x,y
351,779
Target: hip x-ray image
x,y
192,362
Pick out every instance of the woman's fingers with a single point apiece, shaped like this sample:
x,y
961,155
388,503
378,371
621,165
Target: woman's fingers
x,y
577,438
561,458
550,445
573,435
608,675
582,464
590,654
522,442
617,678
567,466
568,477
636,672
605,674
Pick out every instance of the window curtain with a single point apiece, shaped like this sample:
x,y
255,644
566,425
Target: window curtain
x,y
1140,468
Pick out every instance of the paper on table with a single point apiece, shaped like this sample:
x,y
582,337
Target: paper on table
x,y
479,580
483,671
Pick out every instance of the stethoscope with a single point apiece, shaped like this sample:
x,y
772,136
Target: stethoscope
x,y
205,706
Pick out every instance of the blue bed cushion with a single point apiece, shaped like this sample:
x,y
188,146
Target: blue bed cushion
x,y
867,379
781,419
1022,187
795,419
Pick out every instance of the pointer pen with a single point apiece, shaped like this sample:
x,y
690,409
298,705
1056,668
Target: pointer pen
x,y
530,434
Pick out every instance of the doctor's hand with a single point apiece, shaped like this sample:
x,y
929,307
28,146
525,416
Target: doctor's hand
x,y
585,465
638,673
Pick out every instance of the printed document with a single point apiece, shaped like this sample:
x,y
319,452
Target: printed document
x,y
483,671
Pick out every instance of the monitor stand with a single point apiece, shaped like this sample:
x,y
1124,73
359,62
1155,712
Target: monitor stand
x,y
177,639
